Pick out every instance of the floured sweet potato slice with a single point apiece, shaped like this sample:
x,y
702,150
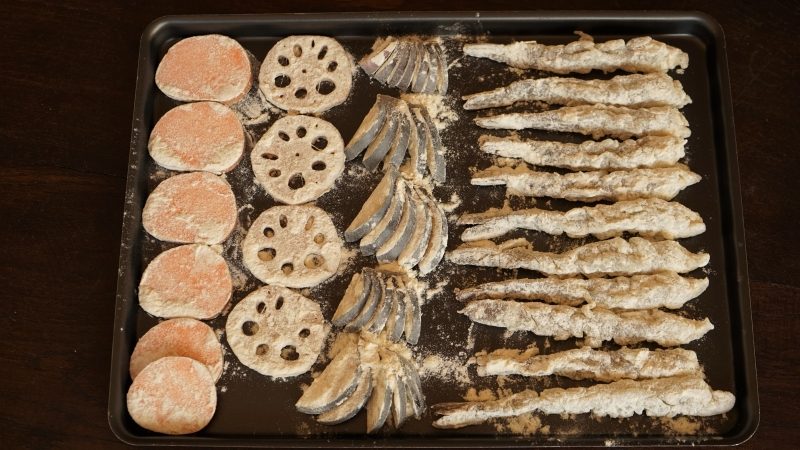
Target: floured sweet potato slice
x,y
178,337
211,67
203,136
298,159
174,395
194,207
276,331
292,246
307,74
186,281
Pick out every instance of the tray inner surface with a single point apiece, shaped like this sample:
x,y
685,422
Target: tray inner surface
x,y
254,406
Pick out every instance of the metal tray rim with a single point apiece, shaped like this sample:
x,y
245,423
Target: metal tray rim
x,y
732,195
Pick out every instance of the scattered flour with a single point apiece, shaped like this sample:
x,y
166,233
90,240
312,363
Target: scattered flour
x,y
484,395
347,257
450,369
432,292
525,425
440,108
682,425
455,202
471,336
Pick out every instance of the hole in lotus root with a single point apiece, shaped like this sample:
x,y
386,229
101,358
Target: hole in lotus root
x,y
249,328
267,254
279,303
283,136
319,143
332,66
296,181
261,350
309,223
301,132
304,333
314,261
297,50
313,43
287,268
282,60
274,173
319,239
270,156
325,87
260,307
300,93
283,221
289,353
318,165
282,81
269,232
322,52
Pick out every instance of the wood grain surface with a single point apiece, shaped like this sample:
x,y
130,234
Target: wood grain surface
x,y
68,75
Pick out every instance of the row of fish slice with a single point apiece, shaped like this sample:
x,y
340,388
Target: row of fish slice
x,y
409,64
637,115
661,382
639,173
394,129
365,373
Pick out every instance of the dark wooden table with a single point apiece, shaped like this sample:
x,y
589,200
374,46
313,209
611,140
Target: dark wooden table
x,y
68,73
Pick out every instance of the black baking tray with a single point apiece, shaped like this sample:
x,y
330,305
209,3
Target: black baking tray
x,y
256,411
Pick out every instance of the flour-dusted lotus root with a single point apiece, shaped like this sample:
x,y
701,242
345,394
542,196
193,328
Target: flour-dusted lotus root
x,y
298,159
292,246
307,74
276,331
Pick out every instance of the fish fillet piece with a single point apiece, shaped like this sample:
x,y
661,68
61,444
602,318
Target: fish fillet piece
x,y
409,64
661,290
594,325
611,257
650,217
381,51
394,128
649,151
587,363
597,121
370,127
664,183
652,89
641,54
661,397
